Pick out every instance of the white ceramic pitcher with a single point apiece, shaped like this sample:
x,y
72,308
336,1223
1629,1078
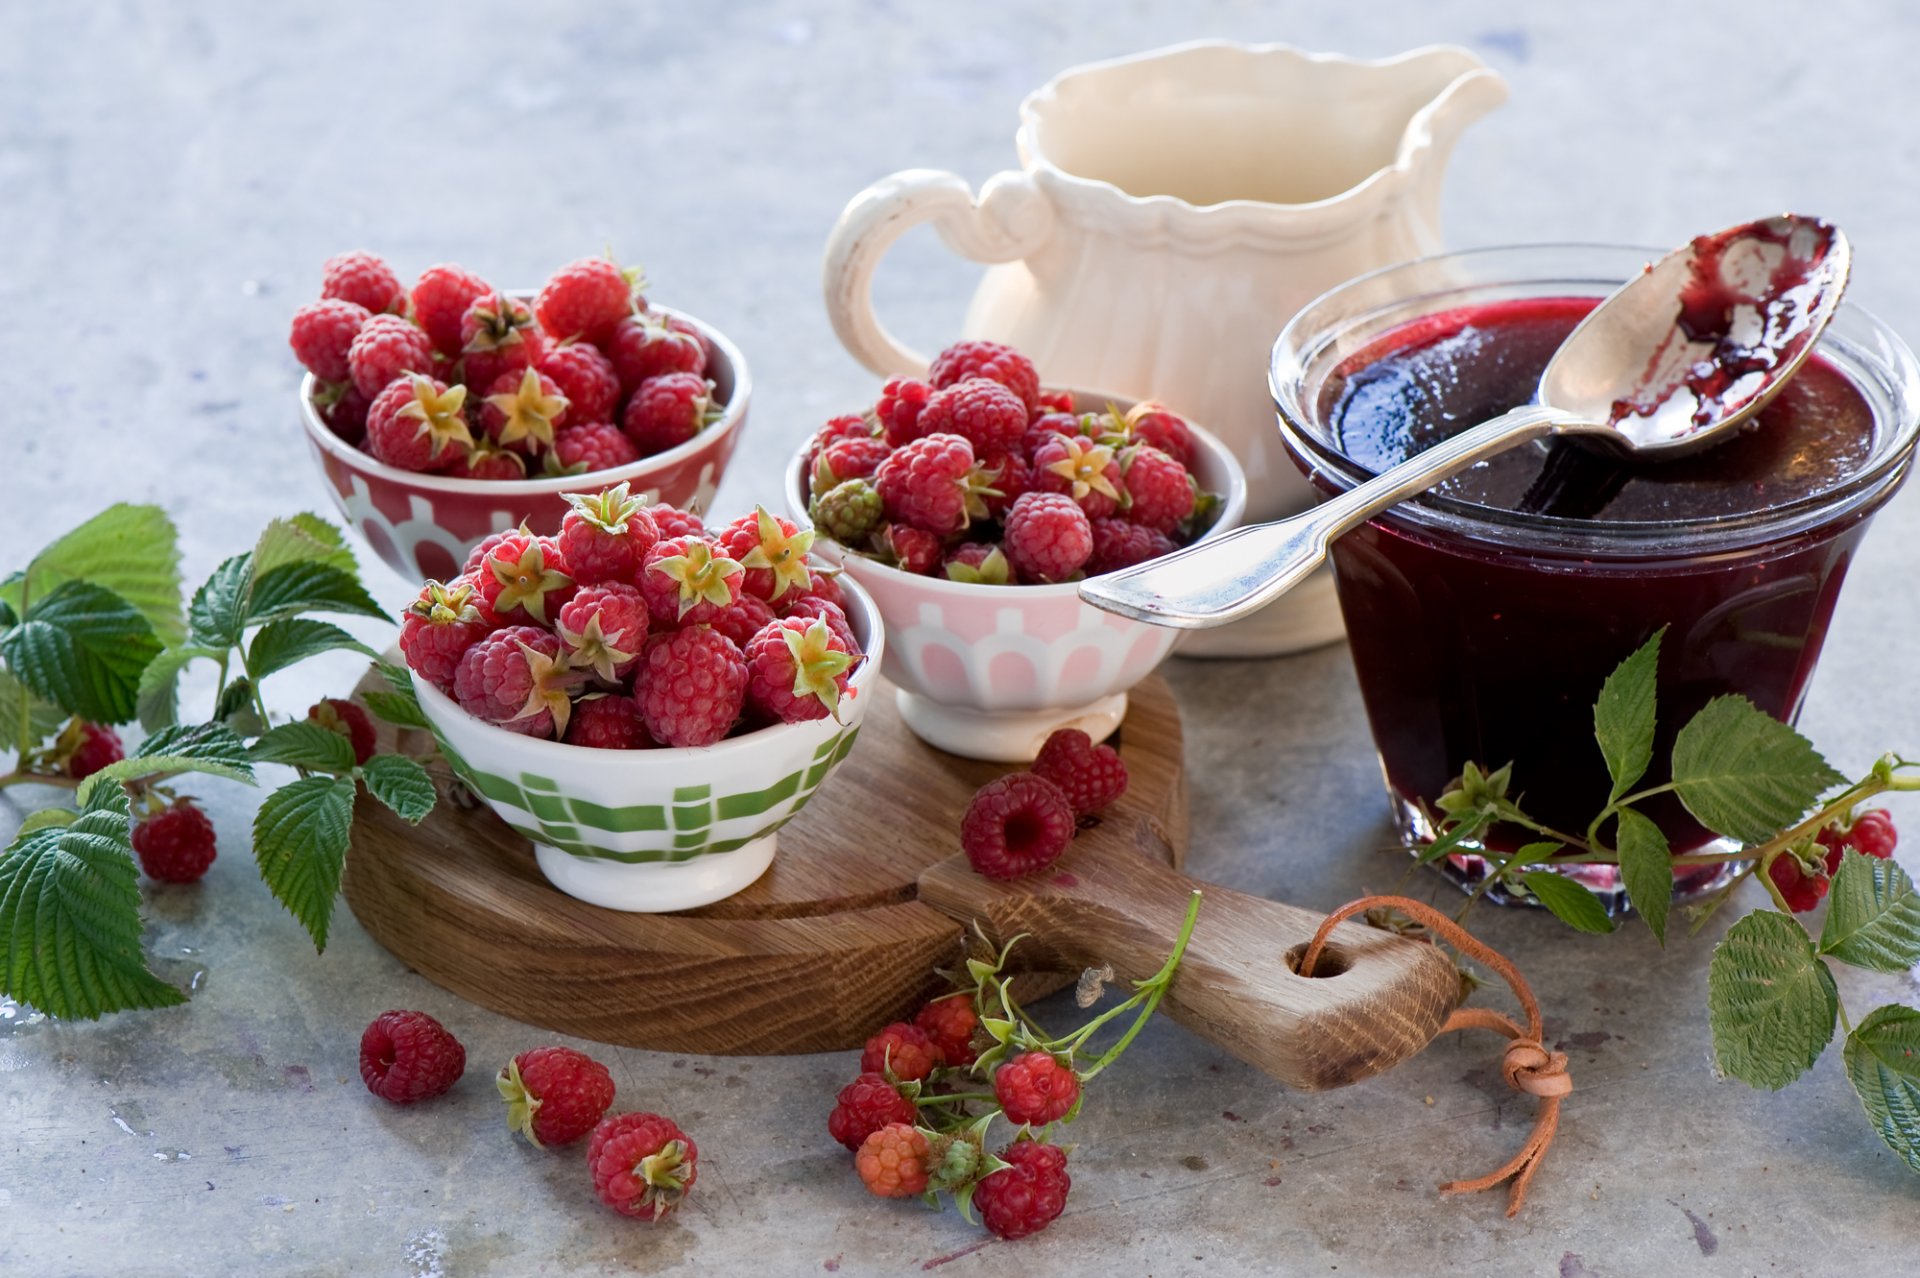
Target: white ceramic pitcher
x,y
1172,211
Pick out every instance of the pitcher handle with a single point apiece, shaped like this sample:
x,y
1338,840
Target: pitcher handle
x,y
1009,220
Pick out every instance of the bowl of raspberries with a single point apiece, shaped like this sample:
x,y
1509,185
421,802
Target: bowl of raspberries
x,y
970,503
648,700
445,410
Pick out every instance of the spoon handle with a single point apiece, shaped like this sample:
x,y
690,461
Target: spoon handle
x,y
1237,573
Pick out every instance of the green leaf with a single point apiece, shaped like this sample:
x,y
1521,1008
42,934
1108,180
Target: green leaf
x,y
1469,827
24,716
1745,774
218,612
301,539
1873,915
129,550
46,819
211,748
1571,904
280,644
1531,854
70,919
1771,1002
1883,1064
8,617
82,647
1646,868
399,707
309,586
300,841
157,698
401,784
1623,716
304,745
236,709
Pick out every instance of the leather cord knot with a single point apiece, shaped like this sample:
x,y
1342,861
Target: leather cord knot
x,y
1528,1067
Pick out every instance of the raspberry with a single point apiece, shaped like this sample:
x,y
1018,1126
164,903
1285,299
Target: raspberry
x,y
347,413
1092,777
668,410
925,484
488,460
87,747
866,1105
1036,1088
1007,477
1047,537
797,669
687,580
1800,890
1118,544
812,607
893,1161
845,426
1027,1196
589,448
418,423
607,722
522,410
643,1165
692,686
524,578
484,547
950,1023
386,347
606,536
585,298
439,627
843,459
1159,427
322,335
981,565
1043,429
586,379
440,298
772,550
409,1056
349,720
1015,825
909,549
1052,402
363,279
497,337
906,1051
603,629
1161,491
847,512
823,588
1083,470
991,417
990,360
175,844
674,522
742,619
646,346
554,1095
897,412
1871,833
516,679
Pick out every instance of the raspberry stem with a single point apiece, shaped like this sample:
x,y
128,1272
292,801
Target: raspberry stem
x,y
1153,989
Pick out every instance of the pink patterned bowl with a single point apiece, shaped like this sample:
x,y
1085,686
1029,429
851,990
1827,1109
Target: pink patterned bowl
x,y
423,525
988,671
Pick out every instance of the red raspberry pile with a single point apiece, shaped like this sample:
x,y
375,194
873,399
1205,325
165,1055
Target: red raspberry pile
x,y
456,377
1019,824
1803,882
635,626
979,474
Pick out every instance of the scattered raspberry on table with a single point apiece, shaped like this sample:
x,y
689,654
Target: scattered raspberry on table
x,y
643,1165
408,1056
554,1095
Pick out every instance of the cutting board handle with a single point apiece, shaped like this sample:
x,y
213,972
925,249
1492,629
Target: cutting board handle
x,y
1378,998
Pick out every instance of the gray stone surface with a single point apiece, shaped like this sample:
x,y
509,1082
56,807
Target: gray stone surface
x,y
172,177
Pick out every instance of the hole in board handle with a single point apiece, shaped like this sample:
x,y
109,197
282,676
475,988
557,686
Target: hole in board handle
x,y
1333,961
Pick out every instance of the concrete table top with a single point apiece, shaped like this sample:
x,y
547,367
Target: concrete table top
x,y
173,178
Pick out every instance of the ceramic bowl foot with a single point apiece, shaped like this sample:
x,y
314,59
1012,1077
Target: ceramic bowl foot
x,y
1005,736
656,887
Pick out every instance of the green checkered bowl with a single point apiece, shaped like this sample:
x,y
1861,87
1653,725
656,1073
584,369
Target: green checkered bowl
x,y
664,829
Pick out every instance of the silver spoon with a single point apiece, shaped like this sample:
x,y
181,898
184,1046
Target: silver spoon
x,y
1672,362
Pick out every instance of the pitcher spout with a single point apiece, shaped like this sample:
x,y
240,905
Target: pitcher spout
x,y
1432,132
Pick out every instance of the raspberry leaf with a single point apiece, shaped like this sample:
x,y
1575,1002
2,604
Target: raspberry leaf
x,y
1873,920
301,539
304,744
399,707
1883,1064
1771,1002
1646,868
1745,774
1623,716
207,747
401,784
308,586
157,699
300,842
82,647
236,709
130,550
218,612
24,718
46,818
280,644
1571,904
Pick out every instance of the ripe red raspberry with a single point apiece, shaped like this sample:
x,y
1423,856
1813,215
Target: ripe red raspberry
x,y
893,1161
516,679
1161,428
418,423
773,550
925,484
1082,469
845,426
591,447
1871,833
322,335
844,459
812,608
906,1051
1092,777
336,714
1119,544
347,411
692,687
522,410
1036,1088
991,417
1161,491
607,722
980,564
497,337
1800,890
487,460
586,379
653,345
440,297
1027,1196
606,536
901,402
439,627
742,619
1043,428
1047,537
524,578
1052,402
797,670
387,347
823,587
409,1056
910,549
991,360
674,522
554,1095
483,548
950,1023
585,298
668,410
1016,825
688,579
866,1105
87,747
175,844
1006,478
643,1165
363,279
603,630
